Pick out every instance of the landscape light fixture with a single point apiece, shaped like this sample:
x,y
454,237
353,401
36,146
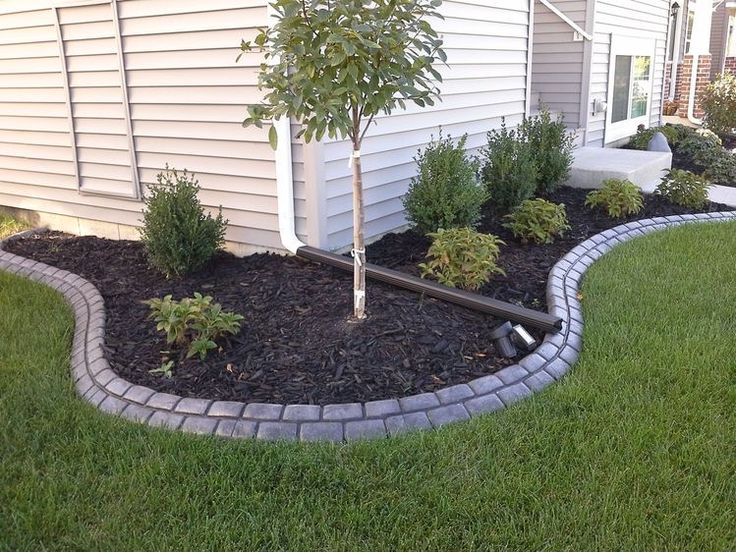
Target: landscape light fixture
x,y
501,337
522,338
675,9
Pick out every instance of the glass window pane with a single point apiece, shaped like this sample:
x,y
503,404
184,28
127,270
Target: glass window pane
x,y
640,92
621,86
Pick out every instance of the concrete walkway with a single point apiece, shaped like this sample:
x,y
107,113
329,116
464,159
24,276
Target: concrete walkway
x,y
592,166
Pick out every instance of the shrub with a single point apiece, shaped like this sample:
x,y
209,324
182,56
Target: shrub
x,y
510,169
195,322
719,104
699,150
445,193
462,257
723,170
643,136
552,146
179,237
684,188
538,220
618,198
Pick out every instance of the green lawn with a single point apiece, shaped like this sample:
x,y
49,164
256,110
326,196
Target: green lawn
x,y
9,226
634,450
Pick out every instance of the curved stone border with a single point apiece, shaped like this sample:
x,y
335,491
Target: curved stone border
x,y
100,386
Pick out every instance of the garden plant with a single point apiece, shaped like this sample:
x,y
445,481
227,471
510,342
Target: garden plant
x,y
446,193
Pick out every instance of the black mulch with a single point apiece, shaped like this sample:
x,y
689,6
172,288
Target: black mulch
x,y
296,343
526,266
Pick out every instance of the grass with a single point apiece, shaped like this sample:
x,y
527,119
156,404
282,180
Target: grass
x,y
9,226
634,450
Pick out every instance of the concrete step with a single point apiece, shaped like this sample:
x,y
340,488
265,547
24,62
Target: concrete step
x,y
592,166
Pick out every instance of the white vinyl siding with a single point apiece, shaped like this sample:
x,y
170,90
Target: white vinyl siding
x,y
647,19
187,99
486,43
718,40
557,60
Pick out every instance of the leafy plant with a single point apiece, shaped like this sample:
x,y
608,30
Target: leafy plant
x,y
552,146
618,198
166,369
699,150
643,136
179,237
462,257
538,220
722,171
445,193
684,188
510,169
719,104
334,66
195,322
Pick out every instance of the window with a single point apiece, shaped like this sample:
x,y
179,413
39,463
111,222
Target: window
x,y
689,31
630,86
731,42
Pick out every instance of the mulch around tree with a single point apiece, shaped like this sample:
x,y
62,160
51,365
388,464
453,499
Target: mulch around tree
x,y
297,344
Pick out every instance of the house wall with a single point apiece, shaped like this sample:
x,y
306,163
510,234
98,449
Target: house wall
x,y
186,95
638,18
486,42
558,60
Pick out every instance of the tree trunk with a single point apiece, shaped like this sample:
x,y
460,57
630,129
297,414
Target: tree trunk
x,y
358,242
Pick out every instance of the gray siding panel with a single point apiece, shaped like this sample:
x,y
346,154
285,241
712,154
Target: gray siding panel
x,y
557,60
486,43
186,95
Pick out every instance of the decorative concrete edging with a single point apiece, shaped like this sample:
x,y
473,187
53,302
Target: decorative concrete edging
x,y
99,385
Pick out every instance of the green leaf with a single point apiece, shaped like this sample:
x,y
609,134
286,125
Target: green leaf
x,y
273,137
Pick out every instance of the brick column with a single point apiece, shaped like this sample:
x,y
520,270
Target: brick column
x,y
730,65
683,82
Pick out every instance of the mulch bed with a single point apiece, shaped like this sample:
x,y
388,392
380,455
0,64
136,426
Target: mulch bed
x,y
297,344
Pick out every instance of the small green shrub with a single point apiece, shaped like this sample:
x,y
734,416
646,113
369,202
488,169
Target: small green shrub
x,y
699,150
643,136
552,146
196,322
538,220
719,104
179,237
462,257
618,198
510,170
445,193
684,188
722,171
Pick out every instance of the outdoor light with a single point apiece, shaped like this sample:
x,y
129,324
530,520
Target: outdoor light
x,y
675,9
501,337
522,338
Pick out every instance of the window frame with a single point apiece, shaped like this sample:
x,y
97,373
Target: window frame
x,y
634,47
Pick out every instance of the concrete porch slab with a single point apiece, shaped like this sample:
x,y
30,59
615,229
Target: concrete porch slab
x,y
592,166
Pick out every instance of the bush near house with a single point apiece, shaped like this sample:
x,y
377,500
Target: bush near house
x,y
446,193
643,136
510,170
179,236
553,148
684,188
719,103
618,198
462,257
538,220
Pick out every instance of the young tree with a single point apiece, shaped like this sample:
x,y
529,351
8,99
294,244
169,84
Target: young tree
x,y
333,65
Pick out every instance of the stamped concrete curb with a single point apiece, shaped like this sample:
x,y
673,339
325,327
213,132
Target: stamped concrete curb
x,y
99,385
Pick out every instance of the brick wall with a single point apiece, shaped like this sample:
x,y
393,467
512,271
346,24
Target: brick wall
x,y
684,74
730,65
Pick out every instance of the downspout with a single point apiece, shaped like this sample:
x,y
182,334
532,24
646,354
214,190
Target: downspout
x,y
285,186
670,28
